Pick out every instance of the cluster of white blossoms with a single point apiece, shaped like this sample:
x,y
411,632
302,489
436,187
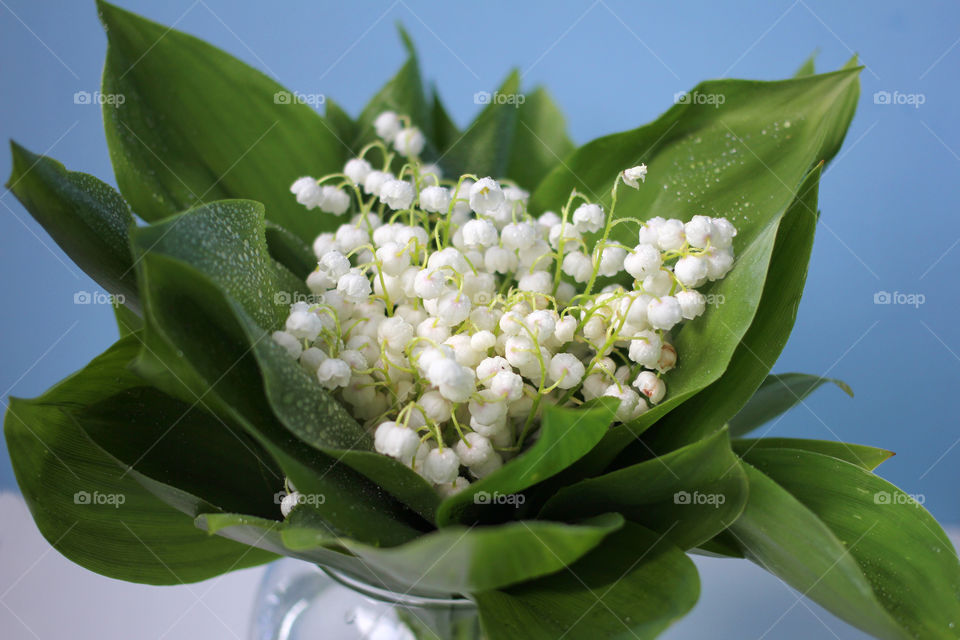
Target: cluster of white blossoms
x,y
445,315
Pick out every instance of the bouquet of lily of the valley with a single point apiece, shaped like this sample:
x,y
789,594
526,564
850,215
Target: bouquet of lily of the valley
x,y
478,362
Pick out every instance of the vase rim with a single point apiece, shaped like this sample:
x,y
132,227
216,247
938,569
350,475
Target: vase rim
x,y
408,598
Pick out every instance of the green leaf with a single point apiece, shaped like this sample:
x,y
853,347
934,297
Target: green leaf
x,y
197,125
170,444
342,125
233,253
852,542
484,147
462,559
633,586
87,507
445,131
689,495
290,251
226,240
744,159
565,436
808,68
540,142
84,216
402,94
868,458
761,345
269,535
196,349
127,321
777,394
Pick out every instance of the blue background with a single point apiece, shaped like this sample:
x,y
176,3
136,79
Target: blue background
x,y
888,200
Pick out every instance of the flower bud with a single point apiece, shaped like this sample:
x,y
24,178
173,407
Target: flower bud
x,y
441,465
288,342
474,449
664,313
588,218
651,386
357,169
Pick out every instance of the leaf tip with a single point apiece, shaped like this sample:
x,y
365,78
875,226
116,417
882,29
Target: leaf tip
x,y
406,39
847,389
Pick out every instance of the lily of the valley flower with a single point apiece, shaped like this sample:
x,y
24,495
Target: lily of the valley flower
x,y
446,315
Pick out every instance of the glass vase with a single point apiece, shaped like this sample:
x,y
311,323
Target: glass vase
x,y
301,601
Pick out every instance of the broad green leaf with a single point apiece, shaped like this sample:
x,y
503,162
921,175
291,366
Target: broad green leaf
x,y
744,159
777,394
233,253
852,542
784,537
540,141
84,216
170,444
633,586
290,251
196,349
565,436
269,535
463,559
689,495
87,507
445,131
484,147
127,321
808,68
197,125
226,240
761,345
403,94
341,124
868,458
